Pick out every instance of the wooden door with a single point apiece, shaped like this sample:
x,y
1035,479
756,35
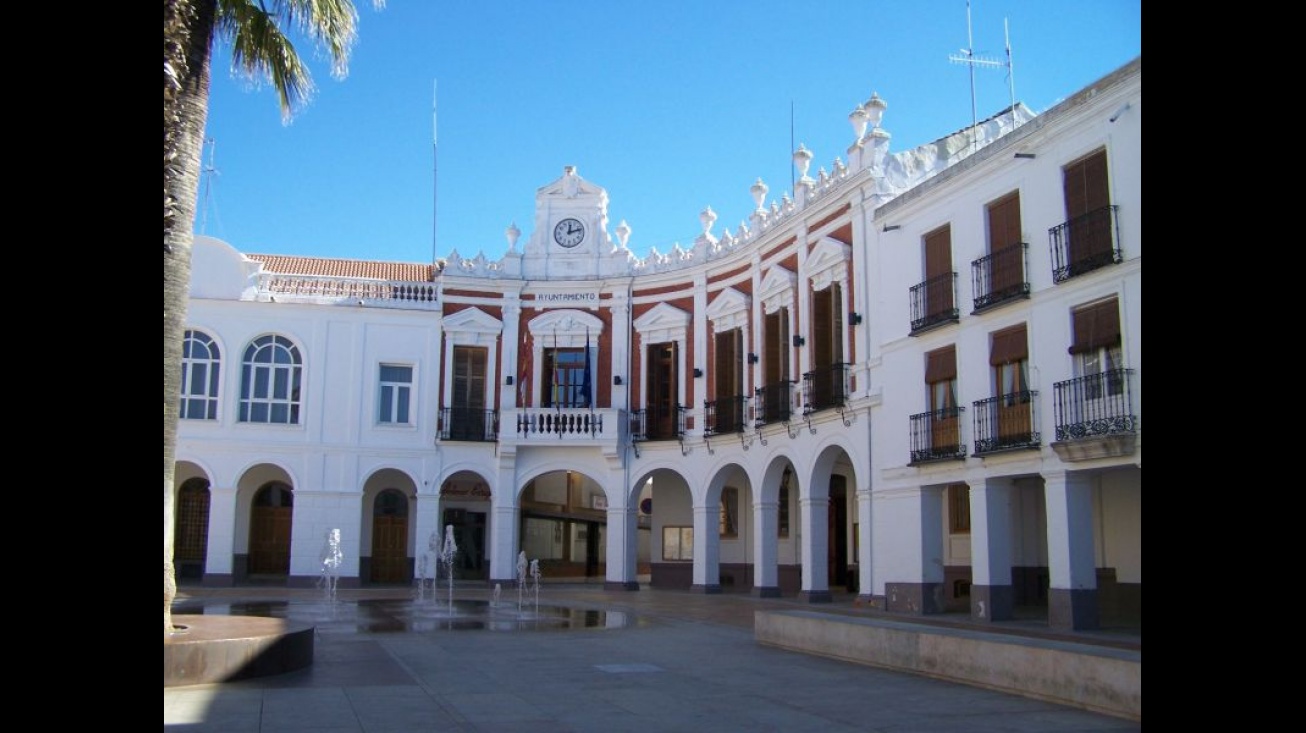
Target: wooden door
x,y
269,530
390,538
938,267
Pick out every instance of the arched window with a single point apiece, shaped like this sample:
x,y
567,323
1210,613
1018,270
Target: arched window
x,y
269,381
200,360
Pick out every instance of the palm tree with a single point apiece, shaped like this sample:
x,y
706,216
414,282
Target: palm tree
x,y
257,32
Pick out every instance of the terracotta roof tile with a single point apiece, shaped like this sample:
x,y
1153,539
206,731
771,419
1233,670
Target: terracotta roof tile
x,y
330,267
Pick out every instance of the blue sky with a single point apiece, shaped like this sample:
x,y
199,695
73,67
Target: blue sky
x,y
454,113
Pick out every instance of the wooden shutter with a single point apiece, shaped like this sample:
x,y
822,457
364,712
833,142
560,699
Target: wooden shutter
x,y
1096,326
1009,345
1006,261
941,365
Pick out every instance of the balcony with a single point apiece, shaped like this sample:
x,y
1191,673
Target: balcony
x,y
657,424
936,436
999,277
1085,243
825,388
569,424
774,403
464,423
1007,422
934,303
1095,416
725,415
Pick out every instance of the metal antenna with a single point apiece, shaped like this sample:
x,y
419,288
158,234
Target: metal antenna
x,y
207,172
971,60
435,167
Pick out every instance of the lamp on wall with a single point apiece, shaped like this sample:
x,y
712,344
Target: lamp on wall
x,y
891,227
616,380
508,380
752,358
799,340
698,372
855,318
1026,156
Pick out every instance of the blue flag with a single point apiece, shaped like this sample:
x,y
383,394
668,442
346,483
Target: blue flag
x,y
586,380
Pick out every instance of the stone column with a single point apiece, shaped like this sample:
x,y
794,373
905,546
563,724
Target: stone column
x,y
219,561
707,550
992,597
766,520
503,541
913,525
816,537
1072,596
623,548
865,576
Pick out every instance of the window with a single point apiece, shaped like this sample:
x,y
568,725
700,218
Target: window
x,y
199,377
1087,195
568,369
941,385
938,268
269,381
1096,348
677,543
1009,357
396,394
959,509
728,523
1006,253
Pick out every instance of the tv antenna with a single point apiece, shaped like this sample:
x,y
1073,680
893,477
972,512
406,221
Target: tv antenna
x,y
967,56
207,172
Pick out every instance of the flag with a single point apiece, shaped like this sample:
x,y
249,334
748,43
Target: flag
x,y
553,373
586,380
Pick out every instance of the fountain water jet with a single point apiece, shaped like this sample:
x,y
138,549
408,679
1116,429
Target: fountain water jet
x,y
332,557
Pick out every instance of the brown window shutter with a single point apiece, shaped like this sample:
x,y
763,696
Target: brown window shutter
x,y
941,365
1009,345
938,252
1086,185
1004,222
1096,326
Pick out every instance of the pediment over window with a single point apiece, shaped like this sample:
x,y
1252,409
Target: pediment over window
x,y
777,289
728,310
472,326
662,323
828,263
565,328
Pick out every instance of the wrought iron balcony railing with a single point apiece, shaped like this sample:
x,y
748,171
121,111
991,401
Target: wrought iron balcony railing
x,y
1085,243
725,415
1007,422
774,403
825,387
999,277
934,303
1095,405
936,436
465,423
655,423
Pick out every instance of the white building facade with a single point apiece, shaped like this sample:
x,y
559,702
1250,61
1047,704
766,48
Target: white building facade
x,y
916,380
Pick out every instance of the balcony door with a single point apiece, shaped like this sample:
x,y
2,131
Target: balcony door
x,y
827,347
1010,361
728,381
941,381
662,388
938,265
1086,192
467,418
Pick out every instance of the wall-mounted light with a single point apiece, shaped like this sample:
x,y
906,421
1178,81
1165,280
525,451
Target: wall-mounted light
x,y
891,227
799,340
508,380
698,372
855,318
616,380
1026,156
752,358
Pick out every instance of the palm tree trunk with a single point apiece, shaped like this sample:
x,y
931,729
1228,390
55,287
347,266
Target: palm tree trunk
x,y
187,42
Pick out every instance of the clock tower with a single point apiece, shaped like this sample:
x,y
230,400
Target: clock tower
x,y
570,237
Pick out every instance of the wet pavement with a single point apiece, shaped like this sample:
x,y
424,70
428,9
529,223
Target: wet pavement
x,y
585,659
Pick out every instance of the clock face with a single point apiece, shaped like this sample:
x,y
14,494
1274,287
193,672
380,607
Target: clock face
x,y
569,233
